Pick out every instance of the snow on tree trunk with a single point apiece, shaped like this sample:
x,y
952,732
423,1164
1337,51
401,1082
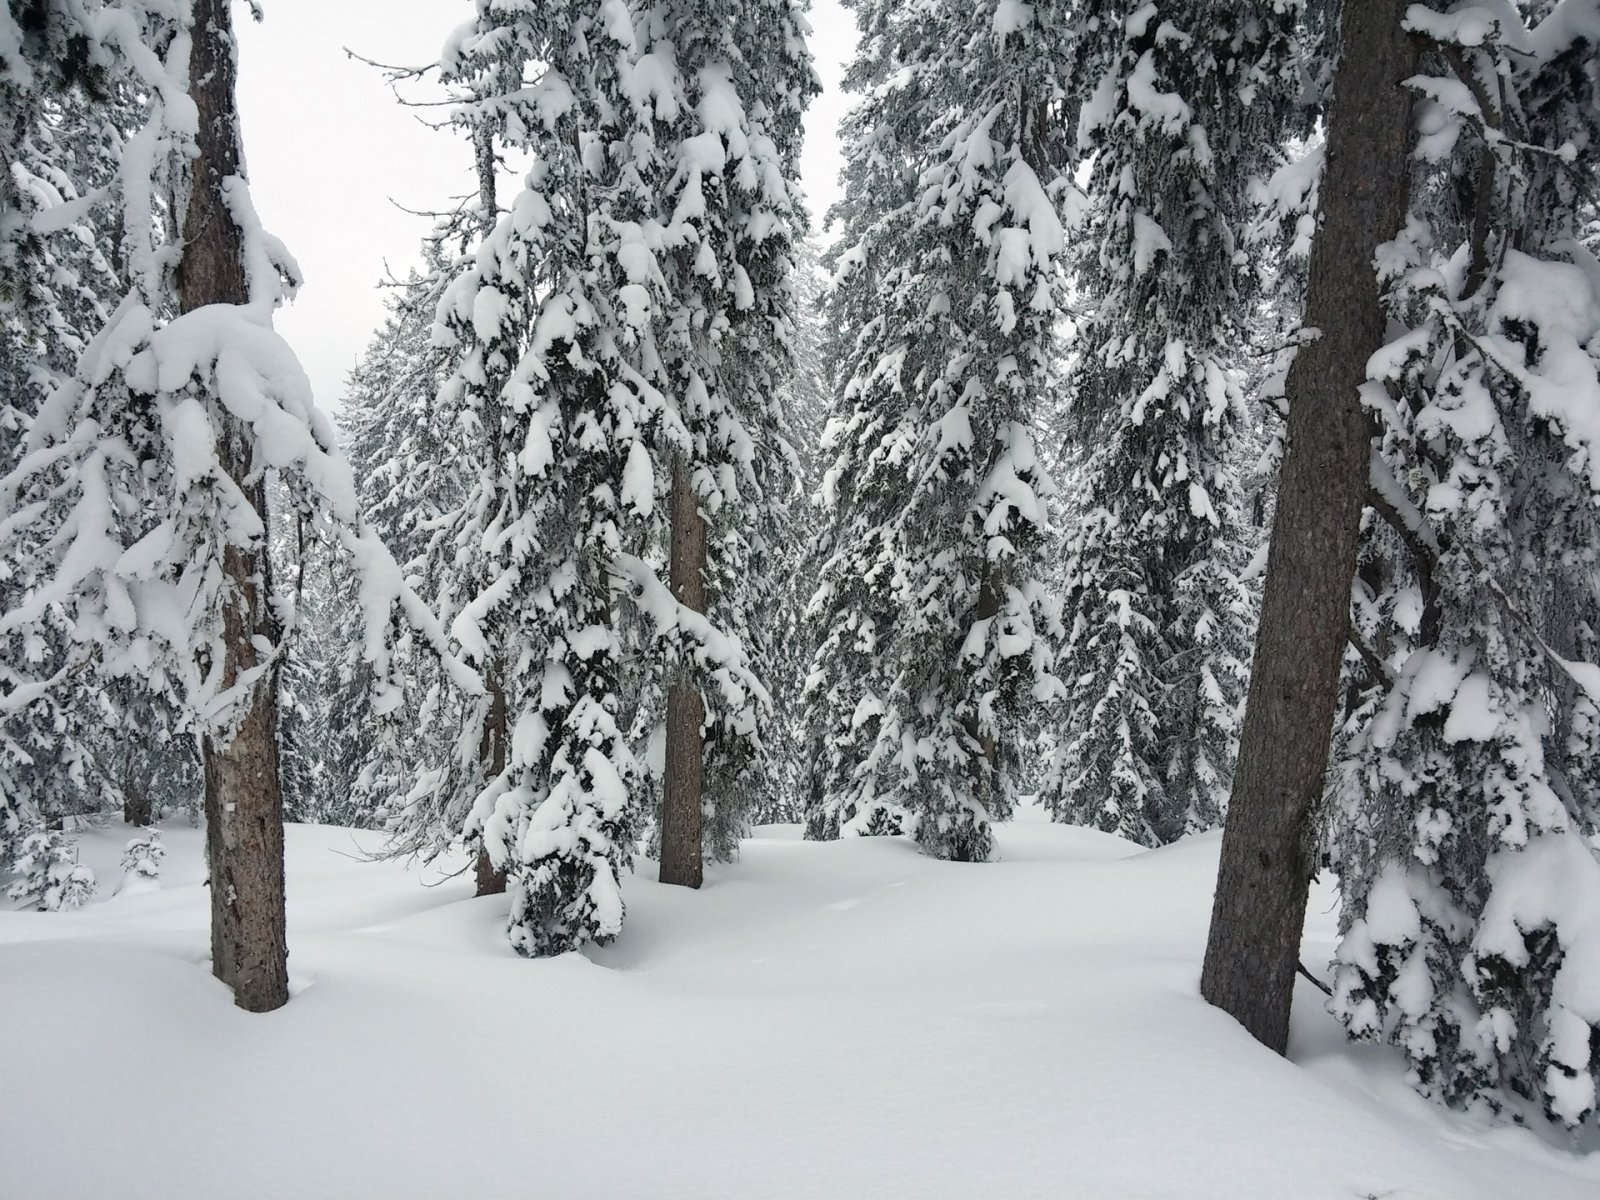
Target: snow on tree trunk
x,y
138,499
1267,848
243,800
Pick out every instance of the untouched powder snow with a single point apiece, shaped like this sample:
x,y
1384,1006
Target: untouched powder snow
x,y
847,1020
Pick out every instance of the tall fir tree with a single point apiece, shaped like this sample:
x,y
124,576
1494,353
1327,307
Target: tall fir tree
x,y
718,199
66,108
139,491
852,607
412,452
554,320
1184,102
949,281
796,527
537,538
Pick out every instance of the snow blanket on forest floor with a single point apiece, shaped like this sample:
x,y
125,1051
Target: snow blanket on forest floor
x,y
843,1021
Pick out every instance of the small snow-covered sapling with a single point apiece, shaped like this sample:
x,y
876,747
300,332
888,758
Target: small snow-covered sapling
x,y
141,857
49,875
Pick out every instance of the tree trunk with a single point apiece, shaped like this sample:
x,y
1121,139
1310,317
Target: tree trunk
x,y
1259,911
137,806
243,801
492,754
492,746
680,808
983,767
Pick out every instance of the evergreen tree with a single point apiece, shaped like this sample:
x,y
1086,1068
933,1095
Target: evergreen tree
x,y
139,494
1268,846
316,713
861,482
538,539
1464,805
796,525
712,186
1187,104
65,115
948,285
141,862
49,875
412,459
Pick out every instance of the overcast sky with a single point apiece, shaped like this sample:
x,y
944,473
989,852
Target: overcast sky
x,y
331,153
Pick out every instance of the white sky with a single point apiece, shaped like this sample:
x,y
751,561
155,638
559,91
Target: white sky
x,y
331,153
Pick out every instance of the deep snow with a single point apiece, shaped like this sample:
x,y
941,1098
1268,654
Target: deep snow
x,y
844,1020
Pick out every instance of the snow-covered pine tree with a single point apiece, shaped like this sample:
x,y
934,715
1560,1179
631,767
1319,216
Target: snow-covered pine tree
x,y
948,287
64,115
49,875
710,200
860,476
151,760
796,527
409,455
140,486
1464,812
1184,101
141,861
764,376
311,720
536,328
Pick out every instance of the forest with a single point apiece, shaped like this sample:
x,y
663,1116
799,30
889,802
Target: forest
x,y
1073,672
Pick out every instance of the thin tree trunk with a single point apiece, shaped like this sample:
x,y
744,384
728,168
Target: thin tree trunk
x,y
492,754
680,808
492,747
1259,911
243,800
137,808
983,767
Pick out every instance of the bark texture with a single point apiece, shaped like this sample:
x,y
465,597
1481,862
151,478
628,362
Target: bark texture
x,y
243,800
492,754
681,859
138,808
983,766
1259,910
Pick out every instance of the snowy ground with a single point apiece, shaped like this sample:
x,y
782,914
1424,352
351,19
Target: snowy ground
x,y
844,1021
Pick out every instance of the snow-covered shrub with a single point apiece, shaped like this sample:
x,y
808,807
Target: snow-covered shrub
x,y
141,857
49,875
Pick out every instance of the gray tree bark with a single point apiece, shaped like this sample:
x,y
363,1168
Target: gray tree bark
x,y
989,594
1259,910
243,800
491,881
681,860
138,808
